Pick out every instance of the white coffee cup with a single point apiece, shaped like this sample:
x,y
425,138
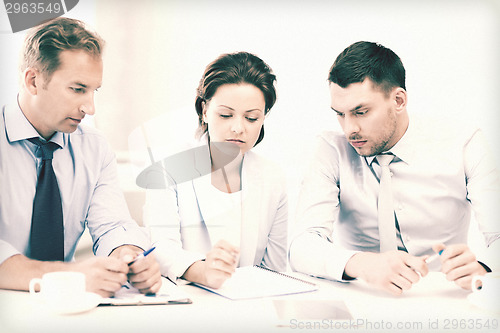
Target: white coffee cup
x,y
486,289
59,289
486,284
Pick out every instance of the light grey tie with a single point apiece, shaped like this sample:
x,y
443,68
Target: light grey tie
x,y
386,221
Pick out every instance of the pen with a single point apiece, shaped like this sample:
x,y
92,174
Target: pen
x,y
433,257
142,255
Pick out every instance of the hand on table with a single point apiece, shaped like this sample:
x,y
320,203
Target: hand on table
x,y
219,265
459,264
393,271
103,275
144,274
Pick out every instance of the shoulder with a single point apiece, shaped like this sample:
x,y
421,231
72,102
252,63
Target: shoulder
x,y
449,130
182,145
332,140
446,125
332,146
257,160
84,132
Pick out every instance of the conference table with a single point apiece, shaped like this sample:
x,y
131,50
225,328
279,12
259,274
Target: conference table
x,y
432,305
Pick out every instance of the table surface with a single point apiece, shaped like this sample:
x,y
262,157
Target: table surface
x,y
434,304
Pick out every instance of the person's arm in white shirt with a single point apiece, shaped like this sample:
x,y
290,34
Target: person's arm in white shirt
x,y
103,275
108,217
312,250
276,249
483,191
117,239
162,218
459,263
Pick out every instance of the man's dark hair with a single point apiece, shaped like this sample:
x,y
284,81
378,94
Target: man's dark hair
x,y
363,60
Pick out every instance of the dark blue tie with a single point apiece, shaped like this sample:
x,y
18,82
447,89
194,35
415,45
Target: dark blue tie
x,y
47,232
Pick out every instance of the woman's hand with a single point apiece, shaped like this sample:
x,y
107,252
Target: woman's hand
x,y
219,265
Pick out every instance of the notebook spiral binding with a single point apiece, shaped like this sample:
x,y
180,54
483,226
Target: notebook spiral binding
x,y
285,275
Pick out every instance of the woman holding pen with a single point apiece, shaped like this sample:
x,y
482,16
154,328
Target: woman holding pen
x,y
236,215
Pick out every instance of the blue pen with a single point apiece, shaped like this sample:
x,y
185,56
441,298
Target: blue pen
x,y
142,255
433,257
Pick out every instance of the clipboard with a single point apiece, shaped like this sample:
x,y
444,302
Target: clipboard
x,y
169,294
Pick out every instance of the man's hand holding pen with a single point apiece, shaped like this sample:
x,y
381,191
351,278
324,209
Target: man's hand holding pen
x,y
144,271
397,271
458,263
392,271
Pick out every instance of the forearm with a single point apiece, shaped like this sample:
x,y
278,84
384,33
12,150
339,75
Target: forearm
x,y
123,250
354,267
314,255
17,271
196,273
218,267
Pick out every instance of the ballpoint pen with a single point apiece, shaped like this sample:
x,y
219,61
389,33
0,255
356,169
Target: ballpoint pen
x,y
433,257
142,255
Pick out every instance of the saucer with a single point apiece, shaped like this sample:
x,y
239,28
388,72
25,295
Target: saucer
x,y
486,303
84,304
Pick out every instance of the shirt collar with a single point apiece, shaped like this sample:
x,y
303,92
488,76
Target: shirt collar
x,y
404,149
369,159
17,126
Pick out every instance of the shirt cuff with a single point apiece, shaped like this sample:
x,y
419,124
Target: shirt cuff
x,y
336,270
314,255
6,251
123,235
491,257
174,261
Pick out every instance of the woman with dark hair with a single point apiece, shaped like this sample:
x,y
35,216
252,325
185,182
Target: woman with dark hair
x,y
237,214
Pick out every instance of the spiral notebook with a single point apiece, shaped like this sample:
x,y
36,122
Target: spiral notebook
x,y
256,282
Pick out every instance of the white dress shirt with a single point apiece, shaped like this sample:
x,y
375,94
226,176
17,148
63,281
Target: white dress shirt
x,y
85,168
439,173
225,224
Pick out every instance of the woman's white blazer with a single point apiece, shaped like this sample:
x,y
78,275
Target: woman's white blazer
x,y
179,230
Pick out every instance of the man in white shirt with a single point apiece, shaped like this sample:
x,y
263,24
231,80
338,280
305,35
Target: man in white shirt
x,y
60,71
437,174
